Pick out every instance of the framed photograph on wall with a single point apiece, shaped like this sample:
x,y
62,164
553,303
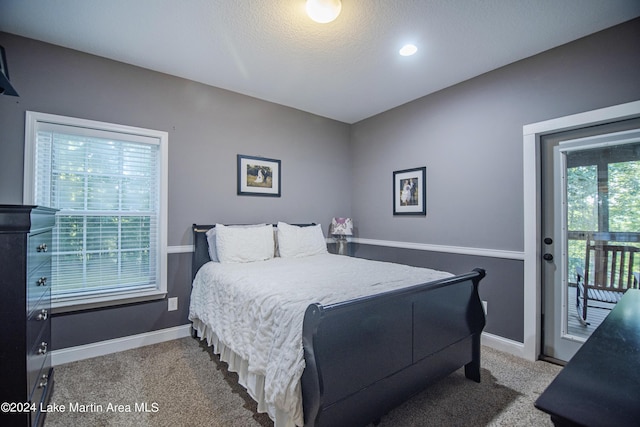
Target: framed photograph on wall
x,y
258,176
410,192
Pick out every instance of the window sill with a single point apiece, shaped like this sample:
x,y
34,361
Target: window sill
x,y
65,305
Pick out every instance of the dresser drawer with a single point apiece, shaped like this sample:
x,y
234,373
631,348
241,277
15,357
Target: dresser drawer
x,y
38,282
42,394
25,363
38,318
41,380
38,249
38,356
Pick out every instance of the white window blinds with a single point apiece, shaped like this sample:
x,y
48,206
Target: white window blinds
x,y
107,187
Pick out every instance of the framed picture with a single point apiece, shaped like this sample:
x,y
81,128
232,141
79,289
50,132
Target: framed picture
x,y
410,192
258,176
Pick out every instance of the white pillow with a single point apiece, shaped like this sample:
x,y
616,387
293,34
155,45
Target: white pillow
x,y
244,244
297,242
211,243
211,239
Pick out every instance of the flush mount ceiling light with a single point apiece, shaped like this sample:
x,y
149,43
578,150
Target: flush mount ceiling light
x,y
408,50
323,11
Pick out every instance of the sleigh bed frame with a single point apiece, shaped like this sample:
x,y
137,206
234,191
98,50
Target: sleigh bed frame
x,y
365,356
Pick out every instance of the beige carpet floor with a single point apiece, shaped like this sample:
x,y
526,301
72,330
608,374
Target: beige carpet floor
x,y
181,383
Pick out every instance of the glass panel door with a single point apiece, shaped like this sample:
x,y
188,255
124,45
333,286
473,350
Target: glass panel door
x,y
592,200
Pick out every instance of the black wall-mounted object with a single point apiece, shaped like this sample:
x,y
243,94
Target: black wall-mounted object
x,y
5,84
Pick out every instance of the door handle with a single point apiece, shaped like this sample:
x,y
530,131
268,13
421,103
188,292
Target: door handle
x,y
547,257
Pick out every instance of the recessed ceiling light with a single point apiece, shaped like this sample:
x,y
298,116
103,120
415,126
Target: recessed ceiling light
x,y
408,50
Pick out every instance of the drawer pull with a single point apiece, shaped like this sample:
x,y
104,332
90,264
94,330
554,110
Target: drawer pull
x,y
43,315
43,348
43,381
42,281
42,247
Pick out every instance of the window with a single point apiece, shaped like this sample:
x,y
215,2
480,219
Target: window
x,y
109,183
603,196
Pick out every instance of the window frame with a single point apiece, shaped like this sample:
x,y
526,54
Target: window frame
x,y
116,297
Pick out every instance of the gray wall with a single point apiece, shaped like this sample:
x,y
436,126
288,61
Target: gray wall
x,y
502,287
469,137
207,127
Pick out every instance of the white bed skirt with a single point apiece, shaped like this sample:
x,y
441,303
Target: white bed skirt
x,y
253,383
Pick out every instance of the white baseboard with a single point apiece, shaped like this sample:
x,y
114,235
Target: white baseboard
x,y
81,352
496,342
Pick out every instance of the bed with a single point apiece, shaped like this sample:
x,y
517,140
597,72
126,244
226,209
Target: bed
x,y
328,340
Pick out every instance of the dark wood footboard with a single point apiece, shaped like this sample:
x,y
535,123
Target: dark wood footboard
x,y
365,356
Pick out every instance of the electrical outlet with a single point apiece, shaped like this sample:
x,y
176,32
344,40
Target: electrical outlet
x,y
484,306
173,304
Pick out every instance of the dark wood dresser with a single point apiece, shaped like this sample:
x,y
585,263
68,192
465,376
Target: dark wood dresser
x,y
600,385
26,375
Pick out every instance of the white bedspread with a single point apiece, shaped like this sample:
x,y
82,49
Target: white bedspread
x,y
257,309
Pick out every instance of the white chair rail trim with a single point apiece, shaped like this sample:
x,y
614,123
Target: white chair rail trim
x,y
180,249
490,253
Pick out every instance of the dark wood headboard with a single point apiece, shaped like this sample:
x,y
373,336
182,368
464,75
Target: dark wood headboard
x,y
201,247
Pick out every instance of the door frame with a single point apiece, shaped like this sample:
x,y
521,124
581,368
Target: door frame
x,y
532,208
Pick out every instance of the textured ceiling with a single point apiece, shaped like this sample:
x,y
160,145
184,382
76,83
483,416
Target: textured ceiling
x,y
346,70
